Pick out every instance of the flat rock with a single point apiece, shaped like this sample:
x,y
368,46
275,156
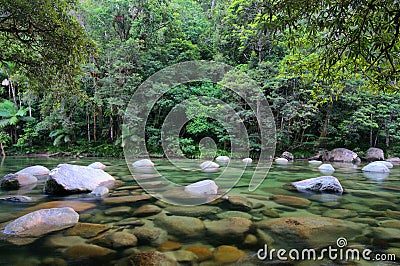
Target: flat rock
x,y
240,203
390,223
309,231
291,201
202,253
36,170
340,213
41,222
150,235
181,226
17,198
68,178
193,211
228,214
118,210
133,221
60,241
153,258
87,251
147,210
78,206
127,199
386,233
228,254
231,229
169,246
183,256
86,230
328,184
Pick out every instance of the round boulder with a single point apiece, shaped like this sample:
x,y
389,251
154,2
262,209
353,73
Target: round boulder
x,y
374,154
342,155
15,181
327,184
222,159
288,155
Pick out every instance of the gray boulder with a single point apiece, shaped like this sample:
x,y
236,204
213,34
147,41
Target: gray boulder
x,y
374,154
68,179
97,165
342,155
327,184
287,155
36,170
41,222
143,163
16,181
100,191
222,159
326,168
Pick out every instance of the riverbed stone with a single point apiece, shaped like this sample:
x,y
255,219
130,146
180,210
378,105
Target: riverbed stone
x,y
169,246
193,211
87,251
97,165
271,213
240,203
228,254
41,222
147,210
78,206
183,256
308,231
16,181
390,223
231,229
131,221
36,170
376,167
386,233
86,230
127,199
228,214
181,226
250,240
374,154
61,241
202,253
150,235
120,210
328,184
340,213
122,239
153,258
68,179
291,201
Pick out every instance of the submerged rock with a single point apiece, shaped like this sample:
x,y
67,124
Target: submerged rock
x,y
68,178
86,230
222,159
169,246
374,154
202,253
17,198
36,170
87,251
309,231
153,258
378,167
291,201
193,211
201,188
147,210
240,203
228,254
231,229
97,165
183,256
16,181
42,222
181,226
327,184
281,161
101,191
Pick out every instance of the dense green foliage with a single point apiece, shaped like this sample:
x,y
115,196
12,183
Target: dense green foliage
x,y
69,70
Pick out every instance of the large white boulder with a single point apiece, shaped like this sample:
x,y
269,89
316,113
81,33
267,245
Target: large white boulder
x,y
41,222
143,163
222,159
377,166
281,161
247,160
68,179
326,168
327,184
36,170
205,187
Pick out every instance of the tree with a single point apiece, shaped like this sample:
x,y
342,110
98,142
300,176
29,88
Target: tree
x,y
360,36
43,38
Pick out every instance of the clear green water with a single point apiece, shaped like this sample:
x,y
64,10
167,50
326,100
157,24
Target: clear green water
x,y
371,200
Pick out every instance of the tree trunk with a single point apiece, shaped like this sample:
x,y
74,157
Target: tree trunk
x,y
3,153
371,135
